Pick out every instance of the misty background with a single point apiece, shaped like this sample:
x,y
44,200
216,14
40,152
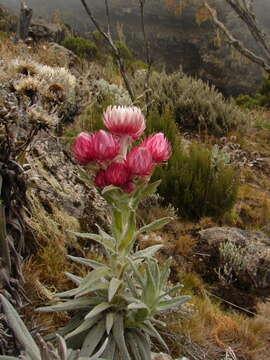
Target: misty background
x,y
176,41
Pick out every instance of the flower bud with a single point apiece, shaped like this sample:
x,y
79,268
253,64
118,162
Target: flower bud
x,y
122,120
139,161
117,174
105,146
83,148
158,146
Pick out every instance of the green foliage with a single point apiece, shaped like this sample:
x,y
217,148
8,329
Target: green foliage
x,y
194,104
261,99
80,46
115,304
197,181
124,51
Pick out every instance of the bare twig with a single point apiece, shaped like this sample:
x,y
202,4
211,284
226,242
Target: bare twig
x,y
147,55
24,21
238,44
246,13
114,48
108,17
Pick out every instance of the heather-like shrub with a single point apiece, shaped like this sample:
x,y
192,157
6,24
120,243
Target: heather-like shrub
x,y
197,181
262,98
80,46
195,105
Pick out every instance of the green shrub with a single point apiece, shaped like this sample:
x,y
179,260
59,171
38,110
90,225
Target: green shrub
x,y
195,105
261,99
197,181
80,46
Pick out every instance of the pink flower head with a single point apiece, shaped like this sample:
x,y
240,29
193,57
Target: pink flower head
x,y
83,148
100,179
158,146
105,146
139,161
128,187
122,120
117,174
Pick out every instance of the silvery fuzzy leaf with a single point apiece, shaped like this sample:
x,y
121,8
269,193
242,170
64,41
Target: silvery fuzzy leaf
x,y
168,292
132,286
108,244
74,304
87,324
110,349
172,303
155,225
4,357
143,344
128,237
93,338
88,262
137,305
165,273
133,346
113,287
136,273
20,330
109,322
73,323
119,336
94,277
98,309
76,279
152,331
97,355
142,192
117,224
149,294
105,235
148,252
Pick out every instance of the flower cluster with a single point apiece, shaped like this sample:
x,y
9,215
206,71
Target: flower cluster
x,y
110,150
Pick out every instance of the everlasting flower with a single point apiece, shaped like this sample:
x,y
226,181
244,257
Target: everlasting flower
x,y
117,174
105,146
100,179
83,148
121,120
128,187
139,161
158,146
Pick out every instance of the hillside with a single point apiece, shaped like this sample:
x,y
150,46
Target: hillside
x,y
214,201
176,41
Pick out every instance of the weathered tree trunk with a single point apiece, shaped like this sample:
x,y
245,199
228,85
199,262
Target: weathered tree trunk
x,y
24,21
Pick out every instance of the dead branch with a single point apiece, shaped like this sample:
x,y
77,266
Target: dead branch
x,y
245,12
147,54
109,40
24,21
236,43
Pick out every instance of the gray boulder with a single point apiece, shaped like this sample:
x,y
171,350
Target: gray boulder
x,y
239,256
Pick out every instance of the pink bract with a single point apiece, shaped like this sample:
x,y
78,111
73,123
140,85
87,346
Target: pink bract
x,y
121,120
117,174
139,161
158,146
105,146
83,148
100,179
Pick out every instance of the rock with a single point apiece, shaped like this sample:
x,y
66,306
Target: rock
x,y
40,29
240,255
